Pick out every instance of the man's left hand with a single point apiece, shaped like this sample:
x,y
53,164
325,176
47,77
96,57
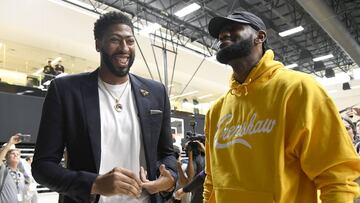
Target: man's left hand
x,y
164,183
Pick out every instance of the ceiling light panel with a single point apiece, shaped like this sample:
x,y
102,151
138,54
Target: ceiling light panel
x,y
291,31
187,10
293,65
322,58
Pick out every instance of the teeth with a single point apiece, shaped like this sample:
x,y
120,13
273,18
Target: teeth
x,y
123,60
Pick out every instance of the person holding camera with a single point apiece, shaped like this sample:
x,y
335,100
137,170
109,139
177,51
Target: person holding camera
x,y
12,181
196,163
196,183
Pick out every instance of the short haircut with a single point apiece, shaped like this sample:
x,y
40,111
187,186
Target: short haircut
x,y
109,19
9,152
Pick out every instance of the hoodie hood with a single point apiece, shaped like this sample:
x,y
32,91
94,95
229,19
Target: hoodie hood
x,y
262,72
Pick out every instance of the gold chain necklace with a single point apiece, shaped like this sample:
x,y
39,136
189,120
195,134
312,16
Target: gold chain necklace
x,y
118,107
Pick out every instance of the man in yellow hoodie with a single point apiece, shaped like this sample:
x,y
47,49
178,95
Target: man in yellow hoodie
x,y
275,136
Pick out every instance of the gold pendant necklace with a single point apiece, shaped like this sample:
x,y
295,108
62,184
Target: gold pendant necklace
x,y
118,107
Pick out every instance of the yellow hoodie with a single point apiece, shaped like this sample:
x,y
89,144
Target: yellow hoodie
x,y
278,138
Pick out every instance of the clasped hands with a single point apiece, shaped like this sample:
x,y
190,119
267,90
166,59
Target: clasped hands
x,y
121,181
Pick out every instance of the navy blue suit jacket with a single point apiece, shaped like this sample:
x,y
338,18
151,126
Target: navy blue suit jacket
x,y
71,119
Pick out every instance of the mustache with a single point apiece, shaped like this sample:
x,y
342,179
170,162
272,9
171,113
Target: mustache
x,y
223,45
119,53
235,50
114,54
226,39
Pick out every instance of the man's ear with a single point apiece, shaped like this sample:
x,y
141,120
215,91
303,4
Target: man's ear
x,y
97,45
261,37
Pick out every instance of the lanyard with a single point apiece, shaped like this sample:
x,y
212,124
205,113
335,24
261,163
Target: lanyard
x,y
16,177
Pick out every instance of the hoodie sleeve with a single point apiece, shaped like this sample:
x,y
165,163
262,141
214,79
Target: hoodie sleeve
x,y
323,147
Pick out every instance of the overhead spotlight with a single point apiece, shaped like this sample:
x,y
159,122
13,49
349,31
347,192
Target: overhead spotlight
x,y
329,73
346,86
319,65
305,56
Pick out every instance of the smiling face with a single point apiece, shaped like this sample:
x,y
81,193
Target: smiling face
x,y
236,41
117,49
13,157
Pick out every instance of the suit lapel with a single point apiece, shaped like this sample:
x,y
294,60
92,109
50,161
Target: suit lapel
x,y
92,110
142,99
90,95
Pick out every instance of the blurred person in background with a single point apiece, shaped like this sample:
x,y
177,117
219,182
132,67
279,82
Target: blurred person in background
x,y
181,177
193,185
12,181
49,72
59,68
25,167
195,150
351,129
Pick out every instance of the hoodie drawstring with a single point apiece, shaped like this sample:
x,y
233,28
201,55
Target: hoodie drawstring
x,y
237,89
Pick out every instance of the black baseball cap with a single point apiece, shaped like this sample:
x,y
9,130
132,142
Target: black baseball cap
x,y
244,17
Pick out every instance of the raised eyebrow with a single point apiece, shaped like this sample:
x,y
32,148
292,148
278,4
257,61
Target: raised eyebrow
x,y
124,37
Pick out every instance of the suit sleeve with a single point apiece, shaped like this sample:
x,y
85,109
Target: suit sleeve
x,y
208,185
323,147
165,150
49,152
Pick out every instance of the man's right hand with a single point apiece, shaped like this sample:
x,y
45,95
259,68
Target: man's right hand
x,y
118,181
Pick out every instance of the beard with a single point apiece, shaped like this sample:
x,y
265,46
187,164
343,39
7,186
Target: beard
x,y
234,51
120,71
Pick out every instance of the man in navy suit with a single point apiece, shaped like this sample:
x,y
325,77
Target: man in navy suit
x,y
114,125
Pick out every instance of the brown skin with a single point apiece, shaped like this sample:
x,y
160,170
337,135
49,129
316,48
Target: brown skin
x,y
119,38
234,33
164,183
118,181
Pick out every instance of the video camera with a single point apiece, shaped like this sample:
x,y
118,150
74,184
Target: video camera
x,y
190,138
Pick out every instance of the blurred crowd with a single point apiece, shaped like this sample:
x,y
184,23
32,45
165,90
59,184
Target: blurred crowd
x,y
351,119
16,182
